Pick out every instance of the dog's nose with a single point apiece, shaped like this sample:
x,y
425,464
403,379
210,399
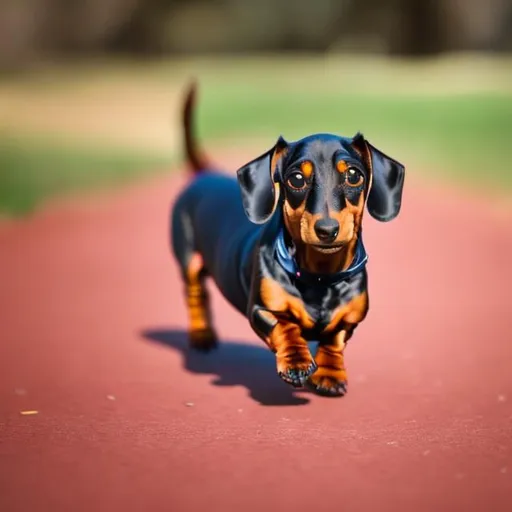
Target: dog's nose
x,y
327,229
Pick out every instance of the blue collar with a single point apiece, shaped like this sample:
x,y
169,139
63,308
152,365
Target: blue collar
x,y
287,261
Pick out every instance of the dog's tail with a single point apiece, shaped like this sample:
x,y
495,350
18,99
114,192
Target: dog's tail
x,y
198,162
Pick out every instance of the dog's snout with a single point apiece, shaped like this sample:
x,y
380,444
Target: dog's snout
x,y
327,229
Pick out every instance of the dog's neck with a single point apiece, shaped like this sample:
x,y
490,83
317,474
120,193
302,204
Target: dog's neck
x,y
315,262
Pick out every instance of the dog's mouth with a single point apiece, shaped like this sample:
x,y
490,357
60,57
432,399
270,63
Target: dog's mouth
x,y
327,249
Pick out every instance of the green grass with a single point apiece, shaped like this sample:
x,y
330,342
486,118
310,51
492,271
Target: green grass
x,y
456,136
33,170
460,136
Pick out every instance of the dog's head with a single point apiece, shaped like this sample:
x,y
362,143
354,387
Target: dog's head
x,y
323,183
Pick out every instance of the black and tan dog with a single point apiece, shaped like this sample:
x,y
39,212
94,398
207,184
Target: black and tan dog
x,y
283,245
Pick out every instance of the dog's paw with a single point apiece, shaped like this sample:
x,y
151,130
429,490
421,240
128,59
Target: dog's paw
x,y
328,385
296,373
203,340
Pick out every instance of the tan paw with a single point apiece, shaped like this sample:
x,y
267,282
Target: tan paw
x,y
327,383
203,340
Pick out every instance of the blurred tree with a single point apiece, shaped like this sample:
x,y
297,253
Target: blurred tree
x,y
144,30
86,25
20,33
477,24
418,29
31,29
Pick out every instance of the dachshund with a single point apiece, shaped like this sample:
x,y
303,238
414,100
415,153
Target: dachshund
x,y
282,242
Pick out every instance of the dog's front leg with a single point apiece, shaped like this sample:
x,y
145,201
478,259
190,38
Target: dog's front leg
x,y
284,337
293,357
330,379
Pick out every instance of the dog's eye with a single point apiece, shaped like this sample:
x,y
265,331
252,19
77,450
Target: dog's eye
x,y
297,181
354,178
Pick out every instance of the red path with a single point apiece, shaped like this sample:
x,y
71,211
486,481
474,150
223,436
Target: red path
x,y
90,306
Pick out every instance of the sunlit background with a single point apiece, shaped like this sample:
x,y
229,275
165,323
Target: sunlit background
x,y
90,91
103,406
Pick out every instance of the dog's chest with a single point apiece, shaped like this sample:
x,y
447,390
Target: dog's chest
x,y
321,302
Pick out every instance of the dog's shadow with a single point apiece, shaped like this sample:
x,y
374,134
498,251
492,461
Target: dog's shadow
x,y
234,364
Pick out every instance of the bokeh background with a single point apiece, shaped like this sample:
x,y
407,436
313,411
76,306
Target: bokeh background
x,y
90,90
97,384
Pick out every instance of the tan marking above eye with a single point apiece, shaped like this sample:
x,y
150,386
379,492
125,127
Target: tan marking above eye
x,y
341,166
306,168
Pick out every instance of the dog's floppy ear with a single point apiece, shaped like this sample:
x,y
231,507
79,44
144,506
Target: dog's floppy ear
x,y
259,183
387,175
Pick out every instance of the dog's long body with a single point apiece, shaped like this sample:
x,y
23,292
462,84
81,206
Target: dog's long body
x,y
209,220
283,243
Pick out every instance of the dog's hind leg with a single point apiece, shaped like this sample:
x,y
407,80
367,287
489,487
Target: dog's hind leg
x,y
201,332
